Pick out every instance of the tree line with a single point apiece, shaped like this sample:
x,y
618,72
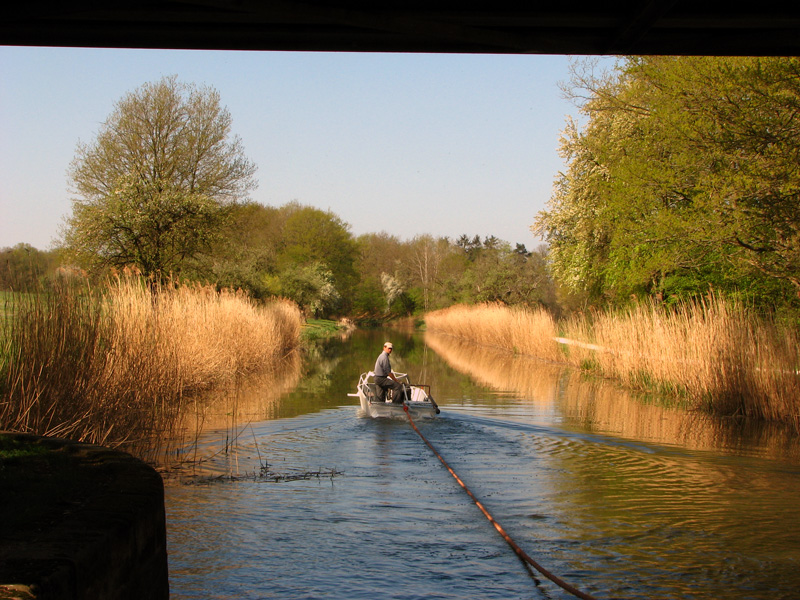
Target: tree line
x,y
682,178
163,189
310,256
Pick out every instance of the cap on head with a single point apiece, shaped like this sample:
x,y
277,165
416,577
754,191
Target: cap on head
x,y
388,345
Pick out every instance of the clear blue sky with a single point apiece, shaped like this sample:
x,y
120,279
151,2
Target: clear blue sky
x,y
402,143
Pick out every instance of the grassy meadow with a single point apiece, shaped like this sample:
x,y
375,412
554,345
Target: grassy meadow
x,y
715,356
119,365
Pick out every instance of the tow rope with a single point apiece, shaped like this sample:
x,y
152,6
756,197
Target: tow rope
x,y
519,551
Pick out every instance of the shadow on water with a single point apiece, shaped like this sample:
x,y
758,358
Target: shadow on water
x,y
623,498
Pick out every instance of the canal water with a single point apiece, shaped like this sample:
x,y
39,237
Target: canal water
x,y
291,493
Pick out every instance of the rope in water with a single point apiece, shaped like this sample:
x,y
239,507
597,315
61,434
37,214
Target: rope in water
x,y
519,551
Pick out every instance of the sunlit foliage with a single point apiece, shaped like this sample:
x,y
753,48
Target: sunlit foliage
x,y
684,179
152,188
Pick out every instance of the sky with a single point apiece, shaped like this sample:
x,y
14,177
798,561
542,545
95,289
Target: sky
x,y
406,144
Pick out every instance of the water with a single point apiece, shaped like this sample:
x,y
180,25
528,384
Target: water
x,y
620,497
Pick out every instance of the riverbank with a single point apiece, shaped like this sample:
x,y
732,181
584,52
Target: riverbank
x,y
714,356
121,363
79,521
316,329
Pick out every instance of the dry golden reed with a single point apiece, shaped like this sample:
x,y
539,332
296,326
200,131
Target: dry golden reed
x,y
115,366
713,355
516,329
500,370
202,336
601,403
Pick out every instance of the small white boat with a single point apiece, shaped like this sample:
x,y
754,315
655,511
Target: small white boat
x,y
417,397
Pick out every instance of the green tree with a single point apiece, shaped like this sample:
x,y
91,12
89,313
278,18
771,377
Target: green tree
x,y
380,291
499,273
311,285
154,186
424,260
683,179
246,251
310,236
470,246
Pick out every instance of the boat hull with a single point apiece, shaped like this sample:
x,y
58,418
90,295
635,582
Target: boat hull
x,y
417,400
378,410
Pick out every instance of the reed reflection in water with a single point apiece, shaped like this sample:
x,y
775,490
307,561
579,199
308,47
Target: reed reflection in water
x,y
648,488
604,407
219,417
622,498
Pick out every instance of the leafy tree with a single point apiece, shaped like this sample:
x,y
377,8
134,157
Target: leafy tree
x,y
424,261
380,256
246,251
392,289
683,179
368,302
154,185
379,253
500,273
470,246
311,285
437,273
310,236
151,226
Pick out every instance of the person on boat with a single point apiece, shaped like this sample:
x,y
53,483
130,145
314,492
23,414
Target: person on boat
x,y
384,378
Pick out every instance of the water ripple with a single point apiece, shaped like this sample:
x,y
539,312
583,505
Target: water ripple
x,y
619,516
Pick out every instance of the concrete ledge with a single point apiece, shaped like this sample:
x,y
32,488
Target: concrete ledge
x,y
79,522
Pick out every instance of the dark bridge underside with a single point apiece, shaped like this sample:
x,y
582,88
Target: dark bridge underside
x,y
455,26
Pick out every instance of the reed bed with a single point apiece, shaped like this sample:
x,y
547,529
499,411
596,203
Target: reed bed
x,y
118,365
534,378
515,329
713,355
201,336
604,406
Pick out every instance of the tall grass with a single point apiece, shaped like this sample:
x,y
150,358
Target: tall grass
x,y
602,404
516,329
714,355
117,365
